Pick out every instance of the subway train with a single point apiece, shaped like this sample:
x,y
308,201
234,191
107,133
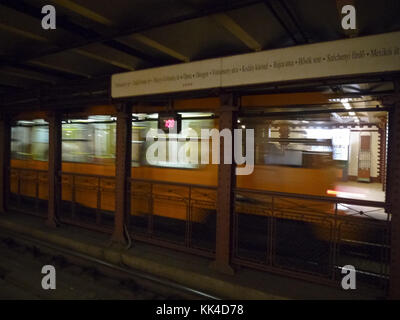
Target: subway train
x,y
88,147
284,164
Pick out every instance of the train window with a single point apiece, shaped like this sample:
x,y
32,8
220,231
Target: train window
x,y
93,139
325,154
90,140
173,143
29,140
297,152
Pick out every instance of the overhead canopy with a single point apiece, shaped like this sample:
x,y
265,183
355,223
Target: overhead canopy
x,y
97,38
360,56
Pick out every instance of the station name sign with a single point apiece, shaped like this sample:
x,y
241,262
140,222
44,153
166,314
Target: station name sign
x,y
355,56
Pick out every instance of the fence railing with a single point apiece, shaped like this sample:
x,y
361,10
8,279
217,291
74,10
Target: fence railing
x,y
176,215
88,200
311,236
29,191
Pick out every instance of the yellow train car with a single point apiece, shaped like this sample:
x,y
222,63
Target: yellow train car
x,y
176,191
88,171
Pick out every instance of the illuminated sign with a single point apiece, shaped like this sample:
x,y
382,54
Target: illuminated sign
x,y
169,123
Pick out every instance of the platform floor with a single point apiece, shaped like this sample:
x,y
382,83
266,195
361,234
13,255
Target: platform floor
x,y
361,190
182,268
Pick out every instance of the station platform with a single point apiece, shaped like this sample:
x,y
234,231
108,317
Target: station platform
x,y
182,268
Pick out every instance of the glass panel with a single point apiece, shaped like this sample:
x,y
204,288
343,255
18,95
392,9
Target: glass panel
x,y
29,153
288,212
318,154
186,141
162,210
88,181
30,140
90,140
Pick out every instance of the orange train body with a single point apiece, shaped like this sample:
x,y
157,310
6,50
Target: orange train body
x,y
166,199
170,200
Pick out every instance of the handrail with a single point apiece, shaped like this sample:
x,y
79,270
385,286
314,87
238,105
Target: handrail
x,y
131,179
27,169
88,175
379,204
174,183
368,203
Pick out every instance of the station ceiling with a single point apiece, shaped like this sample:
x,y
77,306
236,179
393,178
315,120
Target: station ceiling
x,y
97,38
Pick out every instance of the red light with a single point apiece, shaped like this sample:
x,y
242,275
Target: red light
x,y
170,123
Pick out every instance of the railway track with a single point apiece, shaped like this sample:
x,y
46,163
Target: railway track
x,y
79,276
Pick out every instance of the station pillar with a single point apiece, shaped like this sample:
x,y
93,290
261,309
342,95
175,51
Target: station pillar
x,y
54,170
393,196
122,171
225,192
5,149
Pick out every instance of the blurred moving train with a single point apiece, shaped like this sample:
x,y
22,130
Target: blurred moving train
x,y
88,146
283,164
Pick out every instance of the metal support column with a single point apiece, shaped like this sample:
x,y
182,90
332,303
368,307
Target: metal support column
x,y
54,171
225,195
122,171
392,198
5,146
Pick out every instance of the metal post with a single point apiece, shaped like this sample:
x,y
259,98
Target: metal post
x,y
122,171
54,170
5,150
392,198
225,195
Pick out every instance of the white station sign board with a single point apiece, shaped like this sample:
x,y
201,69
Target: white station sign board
x,y
355,56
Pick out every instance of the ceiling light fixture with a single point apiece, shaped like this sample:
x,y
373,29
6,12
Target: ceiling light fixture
x,y
346,104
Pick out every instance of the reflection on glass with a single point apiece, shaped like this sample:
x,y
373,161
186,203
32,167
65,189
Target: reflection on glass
x,y
188,139
30,140
93,140
89,140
